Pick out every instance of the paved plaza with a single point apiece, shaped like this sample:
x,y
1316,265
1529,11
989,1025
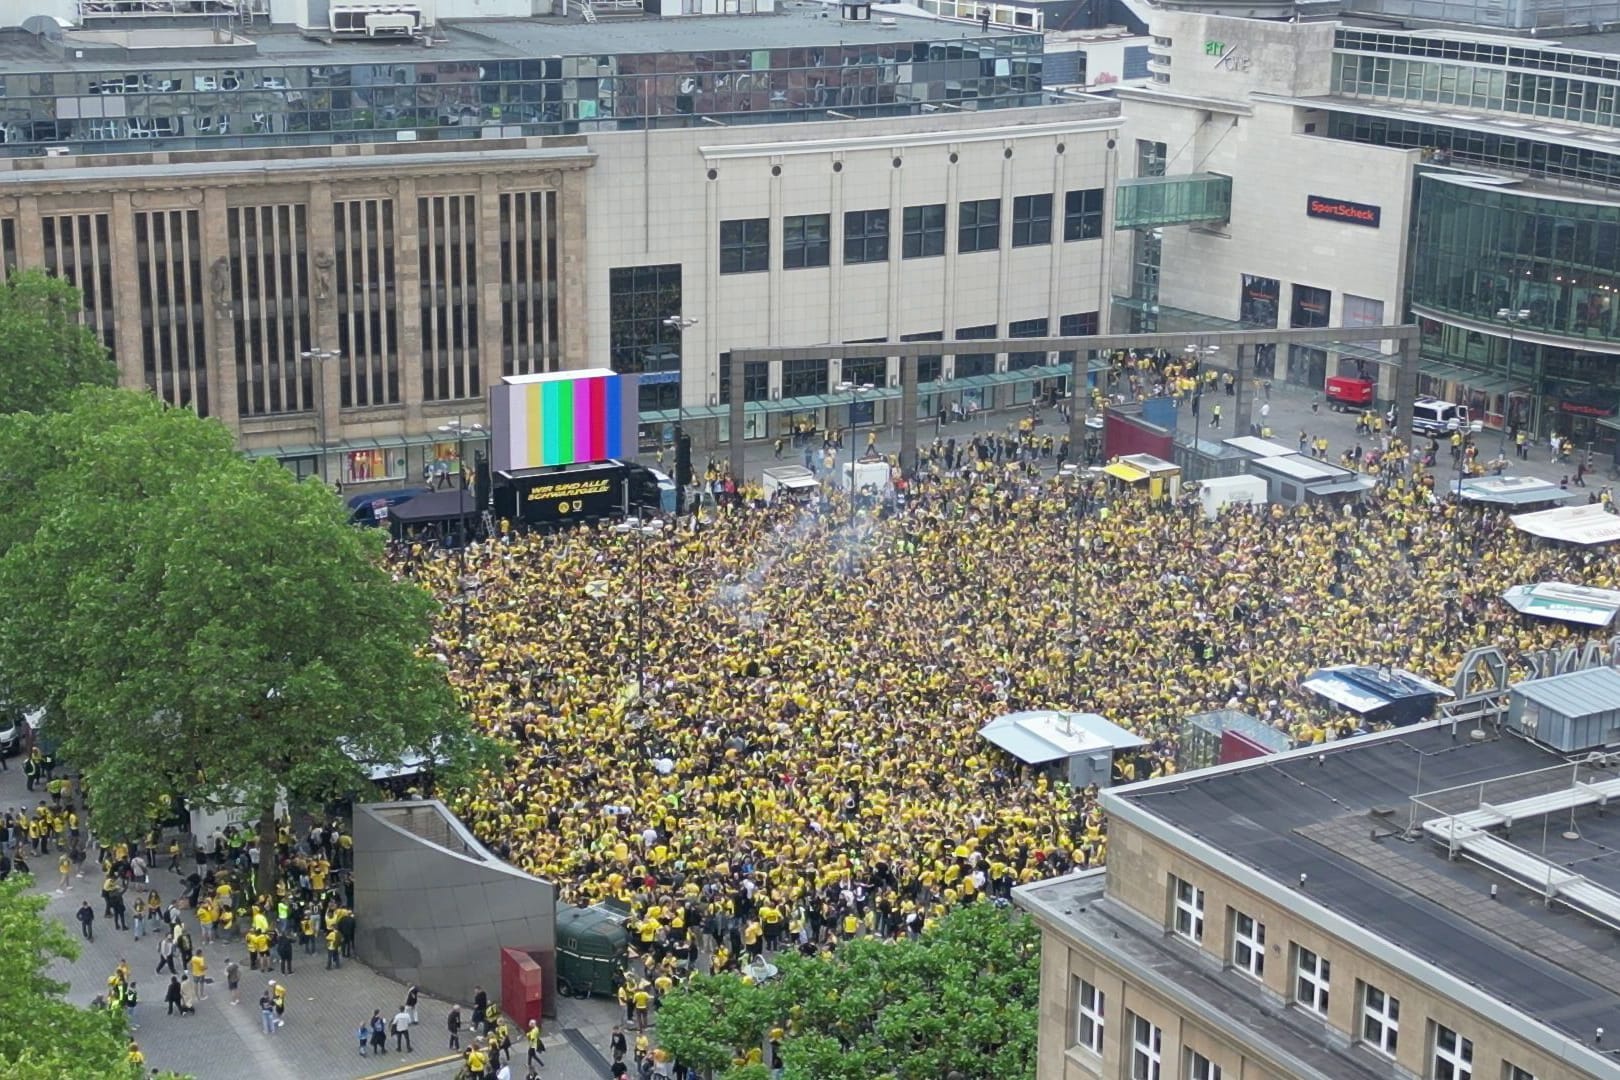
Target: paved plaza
x,y
226,1042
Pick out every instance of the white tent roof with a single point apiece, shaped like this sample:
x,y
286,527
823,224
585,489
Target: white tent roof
x,y
1588,523
1038,737
1569,603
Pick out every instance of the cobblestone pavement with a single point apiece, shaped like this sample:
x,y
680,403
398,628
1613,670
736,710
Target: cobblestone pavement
x,y
226,1042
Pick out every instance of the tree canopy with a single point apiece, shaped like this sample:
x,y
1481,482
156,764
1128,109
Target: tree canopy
x,y
961,997
200,624
45,351
45,1037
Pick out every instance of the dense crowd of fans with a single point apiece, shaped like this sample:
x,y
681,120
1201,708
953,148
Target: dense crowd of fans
x,y
802,762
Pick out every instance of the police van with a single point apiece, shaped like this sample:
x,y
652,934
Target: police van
x,y
1433,417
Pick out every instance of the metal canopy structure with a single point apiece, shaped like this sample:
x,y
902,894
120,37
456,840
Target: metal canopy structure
x,y
1230,342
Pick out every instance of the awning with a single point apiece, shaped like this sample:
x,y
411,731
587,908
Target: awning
x,y
297,450
1483,381
1026,746
1589,523
1579,604
1121,471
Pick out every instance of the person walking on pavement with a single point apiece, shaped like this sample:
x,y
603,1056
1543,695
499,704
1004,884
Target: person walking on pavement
x,y
267,1013
453,1025
411,995
402,1030
166,954
172,996
87,921
233,980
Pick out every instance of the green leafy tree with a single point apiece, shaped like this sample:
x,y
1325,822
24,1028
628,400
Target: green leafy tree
x,y
202,624
45,351
962,997
46,1037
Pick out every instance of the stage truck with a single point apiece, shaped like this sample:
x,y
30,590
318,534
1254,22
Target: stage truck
x,y
560,449
590,491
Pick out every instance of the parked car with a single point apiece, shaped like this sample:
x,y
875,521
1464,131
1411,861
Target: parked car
x,y
15,725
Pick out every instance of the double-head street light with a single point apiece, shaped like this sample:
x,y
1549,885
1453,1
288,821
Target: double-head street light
x,y
1513,318
854,390
317,359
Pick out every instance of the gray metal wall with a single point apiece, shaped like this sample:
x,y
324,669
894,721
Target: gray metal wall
x,y
434,907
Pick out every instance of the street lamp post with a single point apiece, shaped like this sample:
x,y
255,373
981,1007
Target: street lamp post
x,y
1513,318
642,530
319,358
460,430
1198,356
854,390
680,324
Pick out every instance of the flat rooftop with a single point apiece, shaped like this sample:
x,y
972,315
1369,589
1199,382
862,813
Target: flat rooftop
x,y
795,25
1314,812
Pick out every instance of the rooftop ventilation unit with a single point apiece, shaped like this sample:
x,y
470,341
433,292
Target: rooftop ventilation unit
x,y
376,21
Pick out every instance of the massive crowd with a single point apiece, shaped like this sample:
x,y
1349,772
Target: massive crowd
x,y
803,763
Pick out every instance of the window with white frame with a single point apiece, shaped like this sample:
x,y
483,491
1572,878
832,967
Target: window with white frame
x,y
1199,1067
1248,945
1511,1071
1147,1045
1380,1019
1188,914
1311,976
1453,1055
1090,1005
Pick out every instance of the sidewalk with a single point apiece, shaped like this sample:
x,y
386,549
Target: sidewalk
x,y
226,1042
1290,413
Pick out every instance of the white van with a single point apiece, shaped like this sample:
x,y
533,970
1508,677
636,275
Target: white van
x,y
1433,417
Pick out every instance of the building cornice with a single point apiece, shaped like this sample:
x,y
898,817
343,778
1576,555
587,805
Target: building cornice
x,y
953,137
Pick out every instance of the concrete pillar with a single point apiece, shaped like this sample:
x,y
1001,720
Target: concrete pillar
x,y
219,329
322,301
126,297
408,301
908,415
1406,374
735,417
572,323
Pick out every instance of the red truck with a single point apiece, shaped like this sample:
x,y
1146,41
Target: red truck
x,y
1346,393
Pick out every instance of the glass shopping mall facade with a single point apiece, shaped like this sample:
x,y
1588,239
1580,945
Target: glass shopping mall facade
x,y
1517,210
504,80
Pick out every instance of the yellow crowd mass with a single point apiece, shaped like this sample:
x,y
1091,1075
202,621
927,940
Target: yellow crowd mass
x,y
812,689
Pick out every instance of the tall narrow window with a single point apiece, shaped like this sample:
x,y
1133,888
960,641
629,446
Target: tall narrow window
x,y
1311,977
1147,1047
1249,945
1090,1006
1188,910
1380,1019
1453,1055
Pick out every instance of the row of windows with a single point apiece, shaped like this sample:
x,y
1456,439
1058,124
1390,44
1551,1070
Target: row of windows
x,y
807,377
1527,93
1478,52
1520,155
1377,1018
745,243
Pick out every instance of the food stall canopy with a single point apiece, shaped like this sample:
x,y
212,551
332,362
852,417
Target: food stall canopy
x,y
1579,604
1589,523
1121,471
1040,736
1513,491
1364,689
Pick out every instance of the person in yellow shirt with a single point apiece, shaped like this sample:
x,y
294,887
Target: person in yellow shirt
x,y
134,1056
199,975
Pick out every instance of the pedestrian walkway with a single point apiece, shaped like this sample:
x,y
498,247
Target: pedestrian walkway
x,y
324,1008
